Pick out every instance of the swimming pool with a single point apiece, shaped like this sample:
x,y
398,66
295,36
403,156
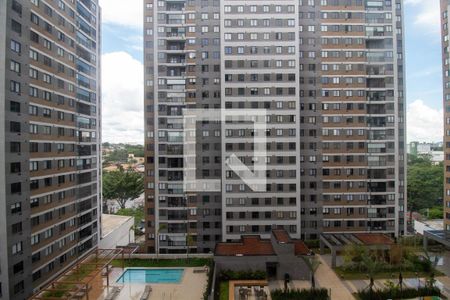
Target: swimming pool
x,y
151,276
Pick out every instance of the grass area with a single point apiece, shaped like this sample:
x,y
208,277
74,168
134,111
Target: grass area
x,y
354,275
224,289
161,263
77,275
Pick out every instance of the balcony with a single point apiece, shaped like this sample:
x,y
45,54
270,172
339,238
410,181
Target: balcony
x,y
176,202
377,200
174,150
84,150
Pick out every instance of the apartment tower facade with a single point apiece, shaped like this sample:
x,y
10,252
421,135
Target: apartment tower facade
x,y
445,6
50,139
329,76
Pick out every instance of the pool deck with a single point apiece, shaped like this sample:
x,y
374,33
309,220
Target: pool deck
x,y
192,286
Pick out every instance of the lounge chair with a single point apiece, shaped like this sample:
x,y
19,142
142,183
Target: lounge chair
x,y
146,293
199,270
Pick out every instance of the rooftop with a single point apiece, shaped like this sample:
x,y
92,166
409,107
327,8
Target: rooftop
x,y
281,236
301,248
435,224
250,245
374,239
253,245
112,222
365,239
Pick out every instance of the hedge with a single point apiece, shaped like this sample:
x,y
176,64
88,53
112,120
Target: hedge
x,y
406,293
304,294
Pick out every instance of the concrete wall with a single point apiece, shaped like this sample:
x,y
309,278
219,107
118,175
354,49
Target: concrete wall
x,y
4,278
420,227
244,263
121,236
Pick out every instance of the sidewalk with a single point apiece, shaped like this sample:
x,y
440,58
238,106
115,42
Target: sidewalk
x,y
326,278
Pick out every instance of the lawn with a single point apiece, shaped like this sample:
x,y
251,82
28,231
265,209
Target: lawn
x,y
78,275
162,263
355,275
224,289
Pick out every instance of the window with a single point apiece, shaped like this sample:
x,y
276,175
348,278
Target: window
x,y
16,228
14,86
14,106
34,202
33,129
34,19
33,110
17,248
16,188
14,126
15,167
15,46
35,239
47,78
34,55
16,208
16,26
33,92
46,113
33,73
34,166
14,66
14,147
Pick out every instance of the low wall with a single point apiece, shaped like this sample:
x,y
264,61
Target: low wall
x,y
120,236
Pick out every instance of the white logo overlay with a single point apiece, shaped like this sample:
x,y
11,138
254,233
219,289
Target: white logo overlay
x,y
250,121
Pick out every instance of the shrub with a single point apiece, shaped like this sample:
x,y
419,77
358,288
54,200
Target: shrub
x,y
312,244
242,275
207,292
396,293
304,294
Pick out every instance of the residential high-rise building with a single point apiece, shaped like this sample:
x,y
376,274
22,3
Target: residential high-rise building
x,y
49,139
445,7
329,76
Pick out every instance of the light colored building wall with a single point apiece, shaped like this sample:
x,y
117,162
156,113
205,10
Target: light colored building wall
x,y
117,230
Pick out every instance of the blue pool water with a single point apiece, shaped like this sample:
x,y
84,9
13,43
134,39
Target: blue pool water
x,y
151,276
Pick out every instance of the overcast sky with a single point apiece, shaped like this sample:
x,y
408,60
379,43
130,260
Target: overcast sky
x,y
122,71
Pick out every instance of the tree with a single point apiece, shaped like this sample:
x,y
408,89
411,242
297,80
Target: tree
x,y
372,266
137,213
122,185
313,264
353,256
425,183
433,213
432,264
118,155
137,150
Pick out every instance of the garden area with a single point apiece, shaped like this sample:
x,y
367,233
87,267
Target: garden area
x,y
403,257
224,277
396,292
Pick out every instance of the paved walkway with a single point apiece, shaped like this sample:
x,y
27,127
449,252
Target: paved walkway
x,y
443,283
293,284
326,278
